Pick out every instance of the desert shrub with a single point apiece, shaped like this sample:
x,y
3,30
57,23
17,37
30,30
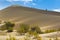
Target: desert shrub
x,y
11,38
9,26
38,37
23,28
36,29
31,33
49,31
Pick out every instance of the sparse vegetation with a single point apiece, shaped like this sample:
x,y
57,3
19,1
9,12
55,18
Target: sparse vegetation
x,y
24,28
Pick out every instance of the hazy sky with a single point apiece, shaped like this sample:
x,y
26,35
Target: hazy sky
x,y
40,4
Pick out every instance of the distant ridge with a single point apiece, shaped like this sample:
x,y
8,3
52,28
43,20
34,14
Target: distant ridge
x,y
37,10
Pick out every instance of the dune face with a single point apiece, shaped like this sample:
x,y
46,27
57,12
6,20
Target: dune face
x,y
19,14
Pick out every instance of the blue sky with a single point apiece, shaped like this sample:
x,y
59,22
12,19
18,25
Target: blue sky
x,y
39,4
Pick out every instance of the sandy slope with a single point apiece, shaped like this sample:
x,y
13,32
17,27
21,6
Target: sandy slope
x,y
19,14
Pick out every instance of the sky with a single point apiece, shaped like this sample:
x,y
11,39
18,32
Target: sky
x,y
53,5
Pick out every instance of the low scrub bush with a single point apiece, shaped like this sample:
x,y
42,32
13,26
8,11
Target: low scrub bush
x,y
23,28
51,30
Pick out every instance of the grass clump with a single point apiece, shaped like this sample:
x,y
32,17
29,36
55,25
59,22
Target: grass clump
x,y
11,38
51,30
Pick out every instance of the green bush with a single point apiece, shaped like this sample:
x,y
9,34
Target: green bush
x,y
9,26
23,28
